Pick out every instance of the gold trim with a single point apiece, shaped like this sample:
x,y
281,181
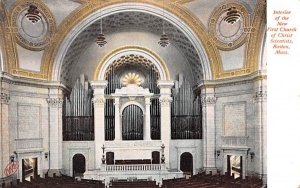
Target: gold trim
x,y
86,9
254,46
20,6
29,74
134,48
213,22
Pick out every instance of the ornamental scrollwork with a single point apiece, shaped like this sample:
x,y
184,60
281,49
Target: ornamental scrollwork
x,y
260,95
99,100
208,100
165,101
5,98
55,102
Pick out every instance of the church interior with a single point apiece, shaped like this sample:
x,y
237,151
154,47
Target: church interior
x,y
133,93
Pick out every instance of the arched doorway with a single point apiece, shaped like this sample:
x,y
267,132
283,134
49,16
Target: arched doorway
x,y
186,163
132,123
78,165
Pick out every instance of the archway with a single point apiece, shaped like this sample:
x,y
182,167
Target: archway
x,y
132,123
186,163
78,165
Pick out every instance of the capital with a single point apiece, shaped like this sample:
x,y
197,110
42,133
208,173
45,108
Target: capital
x,y
208,100
55,102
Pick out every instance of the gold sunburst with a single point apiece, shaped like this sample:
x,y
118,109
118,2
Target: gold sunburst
x,y
132,78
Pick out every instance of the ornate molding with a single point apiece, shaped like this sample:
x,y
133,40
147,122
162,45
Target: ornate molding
x,y
5,98
208,100
165,100
17,16
55,102
260,95
99,100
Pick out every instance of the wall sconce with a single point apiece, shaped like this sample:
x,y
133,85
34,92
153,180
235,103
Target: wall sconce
x,y
12,158
103,156
252,154
46,155
218,152
162,153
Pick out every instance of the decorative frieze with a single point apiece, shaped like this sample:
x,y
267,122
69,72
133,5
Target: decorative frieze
x,y
260,95
55,102
165,100
99,100
208,100
5,98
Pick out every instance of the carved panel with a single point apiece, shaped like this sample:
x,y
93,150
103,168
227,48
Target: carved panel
x,y
235,119
28,121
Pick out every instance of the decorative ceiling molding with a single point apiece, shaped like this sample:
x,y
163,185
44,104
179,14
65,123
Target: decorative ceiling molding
x,y
254,47
86,9
38,38
110,58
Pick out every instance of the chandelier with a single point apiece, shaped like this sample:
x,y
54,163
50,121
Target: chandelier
x,y
101,38
33,14
164,39
232,15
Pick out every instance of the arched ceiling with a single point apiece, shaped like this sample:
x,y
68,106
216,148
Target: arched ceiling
x,y
128,22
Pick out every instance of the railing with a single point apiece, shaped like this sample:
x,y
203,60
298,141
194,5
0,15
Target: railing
x,y
32,143
235,140
136,167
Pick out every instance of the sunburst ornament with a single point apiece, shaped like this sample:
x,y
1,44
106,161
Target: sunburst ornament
x,y
131,78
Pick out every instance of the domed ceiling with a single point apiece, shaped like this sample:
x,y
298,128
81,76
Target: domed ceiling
x,y
128,22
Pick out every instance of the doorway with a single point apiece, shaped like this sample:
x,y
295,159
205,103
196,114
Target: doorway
x,y
234,166
155,157
78,165
186,163
29,168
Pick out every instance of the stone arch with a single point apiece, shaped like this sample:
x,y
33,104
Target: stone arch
x,y
209,56
136,50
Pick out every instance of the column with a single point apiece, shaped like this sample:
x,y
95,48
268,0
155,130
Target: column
x,y
208,101
55,101
118,128
4,129
165,116
99,119
147,124
260,106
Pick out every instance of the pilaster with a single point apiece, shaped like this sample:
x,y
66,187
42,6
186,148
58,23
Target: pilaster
x,y
4,128
55,102
118,128
147,127
165,105
260,105
208,101
99,118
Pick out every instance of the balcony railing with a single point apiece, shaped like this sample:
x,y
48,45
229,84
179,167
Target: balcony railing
x,y
133,167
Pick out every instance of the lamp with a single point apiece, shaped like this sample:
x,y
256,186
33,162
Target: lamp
x,y
12,158
33,14
252,154
101,38
162,153
232,15
46,155
164,39
218,152
103,156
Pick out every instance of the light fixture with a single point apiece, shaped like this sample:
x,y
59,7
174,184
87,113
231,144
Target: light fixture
x,y
46,155
162,153
12,158
232,15
101,38
252,154
33,14
103,156
218,152
164,39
